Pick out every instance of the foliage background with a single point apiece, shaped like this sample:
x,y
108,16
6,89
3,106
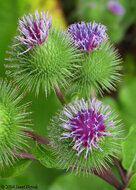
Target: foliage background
x,y
123,101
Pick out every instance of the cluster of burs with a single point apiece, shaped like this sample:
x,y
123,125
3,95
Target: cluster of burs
x,y
82,62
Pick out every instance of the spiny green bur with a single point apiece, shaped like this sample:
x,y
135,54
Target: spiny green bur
x,y
47,65
66,156
13,120
99,71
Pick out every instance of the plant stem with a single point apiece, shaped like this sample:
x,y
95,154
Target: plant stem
x,y
118,185
129,173
106,175
24,155
121,172
60,96
109,177
37,138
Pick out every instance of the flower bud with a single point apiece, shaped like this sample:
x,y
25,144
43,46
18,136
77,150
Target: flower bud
x,y
85,135
100,67
13,120
115,7
42,56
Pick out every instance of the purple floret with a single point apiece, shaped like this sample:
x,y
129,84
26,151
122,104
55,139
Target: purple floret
x,y
86,125
34,31
115,7
87,36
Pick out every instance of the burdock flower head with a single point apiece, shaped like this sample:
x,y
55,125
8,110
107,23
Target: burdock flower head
x,y
42,56
87,36
115,7
99,68
85,135
14,119
34,32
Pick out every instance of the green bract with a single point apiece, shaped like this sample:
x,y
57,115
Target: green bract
x,y
13,120
98,71
47,65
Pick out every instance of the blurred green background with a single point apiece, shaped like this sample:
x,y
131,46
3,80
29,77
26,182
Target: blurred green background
x,y
122,32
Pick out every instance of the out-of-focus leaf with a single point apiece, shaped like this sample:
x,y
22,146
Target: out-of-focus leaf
x,y
129,149
24,6
43,110
18,168
71,182
55,9
36,174
113,103
8,18
127,102
129,67
132,183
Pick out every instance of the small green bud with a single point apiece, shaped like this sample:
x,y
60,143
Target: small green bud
x,y
100,65
13,120
99,71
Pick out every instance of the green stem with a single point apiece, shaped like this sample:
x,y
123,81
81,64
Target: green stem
x,y
130,169
24,155
106,175
37,138
106,178
121,171
59,95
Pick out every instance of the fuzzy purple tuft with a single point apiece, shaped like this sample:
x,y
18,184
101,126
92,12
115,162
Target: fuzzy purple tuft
x,y
34,31
87,36
92,4
86,124
115,7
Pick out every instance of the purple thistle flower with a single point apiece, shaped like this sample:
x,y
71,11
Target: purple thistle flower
x,y
34,31
86,123
87,36
115,7
92,4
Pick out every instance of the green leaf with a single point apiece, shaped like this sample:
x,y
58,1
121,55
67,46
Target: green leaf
x,y
15,170
72,182
44,154
132,183
127,95
8,18
129,150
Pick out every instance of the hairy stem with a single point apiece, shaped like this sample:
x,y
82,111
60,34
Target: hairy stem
x,y
24,155
129,173
109,177
106,175
121,171
118,185
60,95
37,138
